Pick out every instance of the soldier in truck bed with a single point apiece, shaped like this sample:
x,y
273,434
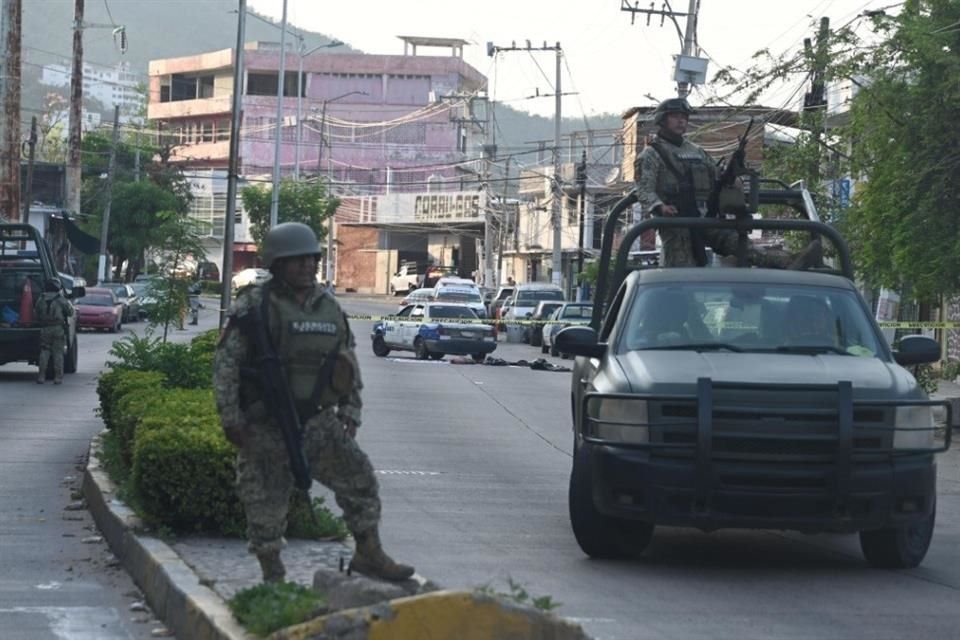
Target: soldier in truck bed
x,y
676,178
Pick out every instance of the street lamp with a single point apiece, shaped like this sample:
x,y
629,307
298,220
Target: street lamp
x,y
323,141
304,54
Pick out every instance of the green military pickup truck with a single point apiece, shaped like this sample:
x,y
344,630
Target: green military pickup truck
x,y
26,262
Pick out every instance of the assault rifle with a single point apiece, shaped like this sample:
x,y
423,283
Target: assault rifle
x,y
277,395
735,167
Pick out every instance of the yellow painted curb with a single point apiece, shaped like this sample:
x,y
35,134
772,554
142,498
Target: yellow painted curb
x,y
441,615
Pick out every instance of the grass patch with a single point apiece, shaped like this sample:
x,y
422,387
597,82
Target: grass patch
x,y
518,593
323,525
266,608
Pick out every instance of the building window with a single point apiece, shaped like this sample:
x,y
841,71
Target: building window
x,y
264,83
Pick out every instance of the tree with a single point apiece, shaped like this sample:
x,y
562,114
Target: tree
x,y
903,131
182,240
900,141
138,207
304,202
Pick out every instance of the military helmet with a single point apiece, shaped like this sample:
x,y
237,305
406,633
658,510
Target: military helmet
x,y
671,105
288,240
53,284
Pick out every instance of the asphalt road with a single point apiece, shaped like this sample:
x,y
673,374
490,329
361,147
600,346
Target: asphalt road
x,y
474,463
58,580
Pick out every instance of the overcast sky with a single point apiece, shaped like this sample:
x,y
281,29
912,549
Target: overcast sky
x,y
612,64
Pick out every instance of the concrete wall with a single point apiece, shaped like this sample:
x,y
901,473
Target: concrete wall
x,y
357,262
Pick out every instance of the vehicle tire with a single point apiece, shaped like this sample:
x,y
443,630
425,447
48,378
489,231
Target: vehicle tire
x,y
411,288
380,348
544,348
71,358
420,349
600,536
898,548
479,357
436,356
554,352
115,328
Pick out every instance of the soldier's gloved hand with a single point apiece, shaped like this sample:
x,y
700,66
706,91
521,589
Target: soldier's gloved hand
x,y
350,427
350,418
668,210
235,431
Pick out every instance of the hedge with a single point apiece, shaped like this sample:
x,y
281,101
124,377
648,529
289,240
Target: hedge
x,y
182,466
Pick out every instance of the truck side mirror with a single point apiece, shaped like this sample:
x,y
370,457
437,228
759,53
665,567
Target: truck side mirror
x,y
916,350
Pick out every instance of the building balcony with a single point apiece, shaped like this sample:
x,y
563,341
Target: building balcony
x,y
189,108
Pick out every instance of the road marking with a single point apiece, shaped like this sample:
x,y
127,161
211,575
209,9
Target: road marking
x,y
78,623
415,361
50,586
406,472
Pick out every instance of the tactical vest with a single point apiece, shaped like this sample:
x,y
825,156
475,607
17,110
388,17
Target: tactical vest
x,y
50,311
307,341
687,160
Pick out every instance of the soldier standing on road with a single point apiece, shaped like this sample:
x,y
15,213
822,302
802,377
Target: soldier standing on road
x,y
51,311
676,178
316,347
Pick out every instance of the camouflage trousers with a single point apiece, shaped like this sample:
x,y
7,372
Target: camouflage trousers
x,y
677,247
52,343
264,480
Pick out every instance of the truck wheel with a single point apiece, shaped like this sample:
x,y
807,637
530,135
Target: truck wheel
x,y
900,548
411,288
479,357
600,536
71,358
393,290
436,356
380,348
554,352
420,349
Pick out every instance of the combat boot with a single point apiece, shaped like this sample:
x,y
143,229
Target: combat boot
x,y
370,559
272,566
811,257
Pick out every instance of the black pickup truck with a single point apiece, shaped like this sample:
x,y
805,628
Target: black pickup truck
x,y
26,262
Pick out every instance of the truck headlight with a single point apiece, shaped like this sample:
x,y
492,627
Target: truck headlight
x,y
914,428
620,420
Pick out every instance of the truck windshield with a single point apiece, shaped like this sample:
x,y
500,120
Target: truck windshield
x,y
755,317
96,301
458,295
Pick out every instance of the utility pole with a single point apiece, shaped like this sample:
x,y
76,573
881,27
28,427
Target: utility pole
x,y
31,155
690,69
489,154
136,155
10,15
278,132
234,163
815,100
103,269
556,187
582,182
73,172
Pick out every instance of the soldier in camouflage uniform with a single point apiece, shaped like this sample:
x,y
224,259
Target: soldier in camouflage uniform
x,y
309,331
669,169
51,311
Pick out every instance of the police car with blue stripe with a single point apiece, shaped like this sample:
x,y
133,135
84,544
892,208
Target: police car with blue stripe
x,y
432,330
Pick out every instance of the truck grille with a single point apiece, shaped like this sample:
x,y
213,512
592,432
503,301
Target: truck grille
x,y
777,425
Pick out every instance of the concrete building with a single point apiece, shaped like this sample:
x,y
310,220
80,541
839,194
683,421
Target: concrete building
x,y
371,124
108,85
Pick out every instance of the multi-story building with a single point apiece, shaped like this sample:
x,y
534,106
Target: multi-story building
x,y
370,124
108,85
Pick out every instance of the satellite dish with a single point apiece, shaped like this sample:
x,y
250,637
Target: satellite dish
x,y
612,175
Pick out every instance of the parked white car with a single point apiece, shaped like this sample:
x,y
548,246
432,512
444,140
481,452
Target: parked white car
x,y
250,276
569,314
406,279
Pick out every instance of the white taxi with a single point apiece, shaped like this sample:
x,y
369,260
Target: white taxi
x,y
433,330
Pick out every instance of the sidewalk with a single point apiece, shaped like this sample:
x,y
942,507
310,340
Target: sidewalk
x,y
949,391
